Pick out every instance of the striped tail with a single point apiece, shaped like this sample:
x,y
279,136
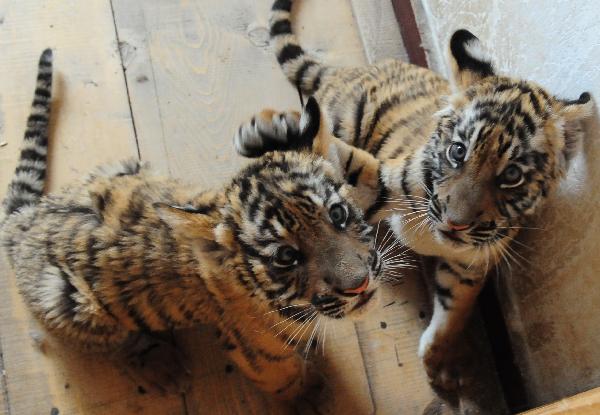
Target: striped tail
x,y
28,183
302,71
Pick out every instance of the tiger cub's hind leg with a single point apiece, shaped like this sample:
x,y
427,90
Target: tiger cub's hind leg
x,y
267,131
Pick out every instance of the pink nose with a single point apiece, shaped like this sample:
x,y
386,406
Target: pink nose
x,y
360,289
456,227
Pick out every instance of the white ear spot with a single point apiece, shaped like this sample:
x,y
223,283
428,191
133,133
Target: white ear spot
x,y
476,50
304,121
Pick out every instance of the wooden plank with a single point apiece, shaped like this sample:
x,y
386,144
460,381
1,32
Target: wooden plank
x,y
379,30
389,341
200,68
586,403
91,125
4,407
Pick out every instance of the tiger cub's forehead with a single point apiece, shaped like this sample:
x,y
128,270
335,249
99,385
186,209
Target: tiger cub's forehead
x,y
276,197
505,117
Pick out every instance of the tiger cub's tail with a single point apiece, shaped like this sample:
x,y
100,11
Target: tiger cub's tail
x,y
302,71
29,179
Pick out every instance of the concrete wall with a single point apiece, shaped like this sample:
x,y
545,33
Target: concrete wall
x,y
552,300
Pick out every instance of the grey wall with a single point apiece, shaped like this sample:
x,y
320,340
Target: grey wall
x,y
552,300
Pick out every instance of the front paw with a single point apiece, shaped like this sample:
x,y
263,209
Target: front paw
x,y
442,364
267,131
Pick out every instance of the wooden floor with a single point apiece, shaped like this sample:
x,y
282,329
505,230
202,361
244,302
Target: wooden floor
x,y
170,81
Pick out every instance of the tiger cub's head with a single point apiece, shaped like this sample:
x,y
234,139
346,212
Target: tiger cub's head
x,y
501,146
289,234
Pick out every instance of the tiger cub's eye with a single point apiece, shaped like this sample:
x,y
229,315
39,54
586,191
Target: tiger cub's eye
x,y
338,215
285,257
456,153
512,176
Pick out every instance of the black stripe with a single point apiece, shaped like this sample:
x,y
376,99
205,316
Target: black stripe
x,y
337,126
381,197
289,52
302,71
35,118
528,122
389,104
358,116
22,187
503,147
44,76
385,136
68,303
42,92
348,162
317,81
444,266
353,177
285,5
40,171
444,303
443,291
288,385
281,27
403,181
427,177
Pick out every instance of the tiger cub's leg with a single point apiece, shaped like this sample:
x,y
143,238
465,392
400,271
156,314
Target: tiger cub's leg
x,y
456,290
79,319
273,367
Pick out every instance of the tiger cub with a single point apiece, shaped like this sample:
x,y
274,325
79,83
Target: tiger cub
x,y
122,254
456,168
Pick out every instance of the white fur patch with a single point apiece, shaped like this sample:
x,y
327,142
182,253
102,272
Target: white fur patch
x,y
50,291
438,321
475,49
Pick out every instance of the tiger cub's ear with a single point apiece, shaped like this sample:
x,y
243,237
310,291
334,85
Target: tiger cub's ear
x,y
469,61
574,112
187,221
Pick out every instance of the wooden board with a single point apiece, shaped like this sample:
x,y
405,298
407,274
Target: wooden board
x,y
91,125
586,403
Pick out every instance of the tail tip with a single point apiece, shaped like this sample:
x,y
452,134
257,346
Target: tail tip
x,y
46,56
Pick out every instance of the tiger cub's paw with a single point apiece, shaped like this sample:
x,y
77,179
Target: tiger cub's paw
x,y
444,363
267,131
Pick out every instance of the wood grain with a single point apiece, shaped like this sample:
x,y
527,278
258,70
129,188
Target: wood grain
x,y
586,403
91,125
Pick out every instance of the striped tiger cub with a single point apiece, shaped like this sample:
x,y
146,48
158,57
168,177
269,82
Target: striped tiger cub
x,y
270,259
455,167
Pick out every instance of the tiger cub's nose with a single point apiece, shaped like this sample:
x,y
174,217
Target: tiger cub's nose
x,y
359,289
456,226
